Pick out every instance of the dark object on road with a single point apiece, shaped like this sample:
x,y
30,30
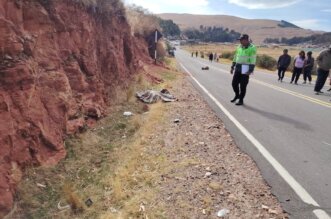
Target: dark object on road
x,y
205,68
89,202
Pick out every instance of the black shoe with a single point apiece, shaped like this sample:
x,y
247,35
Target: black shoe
x,y
296,83
304,82
291,82
240,103
329,90
234,99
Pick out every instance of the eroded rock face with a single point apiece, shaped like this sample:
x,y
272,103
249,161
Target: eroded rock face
x,y
59,64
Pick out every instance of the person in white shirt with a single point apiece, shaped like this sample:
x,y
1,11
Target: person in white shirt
x,y
299,64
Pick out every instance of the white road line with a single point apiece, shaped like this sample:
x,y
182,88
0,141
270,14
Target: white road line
x,y
298,189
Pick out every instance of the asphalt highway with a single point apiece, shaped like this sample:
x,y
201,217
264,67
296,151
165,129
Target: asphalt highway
x,y
285,128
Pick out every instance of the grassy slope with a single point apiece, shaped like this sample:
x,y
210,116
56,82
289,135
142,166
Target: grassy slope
x,y
115,164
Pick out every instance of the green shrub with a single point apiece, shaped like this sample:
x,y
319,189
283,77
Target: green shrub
x,y
267,62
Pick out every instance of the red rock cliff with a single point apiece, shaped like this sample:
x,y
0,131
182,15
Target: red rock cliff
x,y
60,62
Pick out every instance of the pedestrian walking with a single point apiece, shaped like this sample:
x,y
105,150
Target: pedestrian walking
x,y
242,67
211,57
299,64
323,70
196,54
284,62
310,61
192,54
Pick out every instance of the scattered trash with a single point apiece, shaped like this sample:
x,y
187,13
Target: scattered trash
x,y
113,210
272,211
151,96
142,208
62,207
201,143
177,121
8,57
223,212
265,207
204,211
208,169
89,202
208,174
205,68
128,114
41,185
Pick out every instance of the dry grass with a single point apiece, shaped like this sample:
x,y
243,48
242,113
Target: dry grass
x,y
219,49
116,165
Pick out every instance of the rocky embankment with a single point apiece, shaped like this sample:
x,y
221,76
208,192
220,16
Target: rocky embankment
x,y
60,64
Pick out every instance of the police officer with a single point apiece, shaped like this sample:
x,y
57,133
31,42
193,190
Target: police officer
x,y
243,65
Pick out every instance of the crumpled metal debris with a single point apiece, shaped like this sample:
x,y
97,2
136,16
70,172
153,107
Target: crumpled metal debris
x,y
151,96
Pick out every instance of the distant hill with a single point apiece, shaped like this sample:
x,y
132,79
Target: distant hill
x,y
258,29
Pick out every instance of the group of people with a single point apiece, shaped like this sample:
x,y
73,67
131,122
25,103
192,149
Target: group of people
x,y
212,57
304,65
245,59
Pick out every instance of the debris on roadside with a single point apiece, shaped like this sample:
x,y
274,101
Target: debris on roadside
x,y
152,96
223,212
62,207
205,68
41,185
127,114
89,202
177,121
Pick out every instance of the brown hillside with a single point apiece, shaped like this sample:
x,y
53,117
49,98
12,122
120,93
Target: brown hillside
x,y
258,29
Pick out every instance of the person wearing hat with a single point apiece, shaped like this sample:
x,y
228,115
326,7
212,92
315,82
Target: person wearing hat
x,y
242,67
308,68
323,70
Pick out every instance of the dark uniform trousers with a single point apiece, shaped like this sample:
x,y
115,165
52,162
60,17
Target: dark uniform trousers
x,y
239,84
322,75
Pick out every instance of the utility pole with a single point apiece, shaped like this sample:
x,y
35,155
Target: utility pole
x,y
156,39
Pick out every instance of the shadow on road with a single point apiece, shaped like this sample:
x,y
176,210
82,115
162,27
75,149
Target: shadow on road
x,y
274,116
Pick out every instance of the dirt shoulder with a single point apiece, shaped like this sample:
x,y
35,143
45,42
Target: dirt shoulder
x,y
169,160
209,171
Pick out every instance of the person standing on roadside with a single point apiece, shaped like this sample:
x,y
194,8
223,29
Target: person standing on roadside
x,y
323,70
310,61
242,67
211,57
284,62
299,64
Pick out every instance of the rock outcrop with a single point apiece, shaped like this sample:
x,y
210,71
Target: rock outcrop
x,y
60,62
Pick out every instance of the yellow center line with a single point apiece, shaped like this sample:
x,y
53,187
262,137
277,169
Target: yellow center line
x,y
305,97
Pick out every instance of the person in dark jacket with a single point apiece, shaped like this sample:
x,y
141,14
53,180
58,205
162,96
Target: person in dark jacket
x,y
310,61
323,70
284,62
211,57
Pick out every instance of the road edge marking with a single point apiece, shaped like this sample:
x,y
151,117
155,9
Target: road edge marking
x,y
297,188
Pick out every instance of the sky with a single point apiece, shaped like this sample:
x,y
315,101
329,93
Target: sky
x,y
309,14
